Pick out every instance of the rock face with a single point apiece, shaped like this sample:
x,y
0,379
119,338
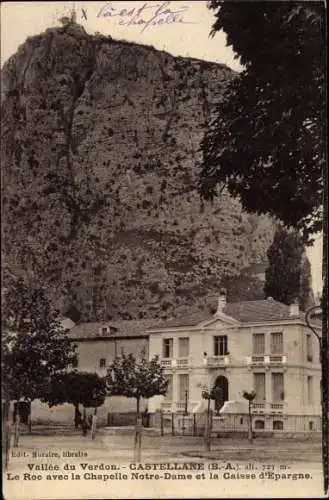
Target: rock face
x,y
101,156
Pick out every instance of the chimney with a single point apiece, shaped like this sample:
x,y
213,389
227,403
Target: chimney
x,y
221,301
294,310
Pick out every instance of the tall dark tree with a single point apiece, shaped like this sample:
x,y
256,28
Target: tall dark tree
x,y
267,143
267,140
284,270
306,295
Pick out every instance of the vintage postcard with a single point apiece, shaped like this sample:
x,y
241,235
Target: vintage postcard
x,y
163,170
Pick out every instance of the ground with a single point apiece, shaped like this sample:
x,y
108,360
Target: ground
x,y
268,462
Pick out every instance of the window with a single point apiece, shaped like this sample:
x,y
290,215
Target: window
x,y
259,424
167,348
277,425
183,387
102,363
183,347
220,345
169,393
309,348
104,330
276,343
311,426
277,387
309,390
259,385
258,343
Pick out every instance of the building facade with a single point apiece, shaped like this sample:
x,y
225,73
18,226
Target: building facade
x,y
259,345
97,346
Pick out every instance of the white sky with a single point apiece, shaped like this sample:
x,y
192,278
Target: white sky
x,y
20,20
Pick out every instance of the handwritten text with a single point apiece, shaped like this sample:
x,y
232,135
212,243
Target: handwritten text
x,y
146,16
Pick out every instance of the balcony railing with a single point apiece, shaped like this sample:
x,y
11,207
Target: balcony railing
x,y
268,360
182,363
167,363
259,408
277,407
175,363
218,361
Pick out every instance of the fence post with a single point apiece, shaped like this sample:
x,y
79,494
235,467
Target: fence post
x,y
194,424
172,424
161,424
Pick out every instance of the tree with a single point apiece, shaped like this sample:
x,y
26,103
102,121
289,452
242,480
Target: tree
x,y
214,394
76,388
266,142
35,346
249,396
306,295
286,278
136,378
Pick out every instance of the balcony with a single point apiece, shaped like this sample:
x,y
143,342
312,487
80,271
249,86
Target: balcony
x,y
179,363
217,361
266,360
258,408
182,362
277,359
261,408
276,407
167,363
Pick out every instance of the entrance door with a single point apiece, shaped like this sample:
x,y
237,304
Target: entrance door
x,y
221,385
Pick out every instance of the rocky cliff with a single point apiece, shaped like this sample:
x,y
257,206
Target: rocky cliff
x,y
101,157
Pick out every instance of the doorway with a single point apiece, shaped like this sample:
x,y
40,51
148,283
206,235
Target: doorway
x,y
221,383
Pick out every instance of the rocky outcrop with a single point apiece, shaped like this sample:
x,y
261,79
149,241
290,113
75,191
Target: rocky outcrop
x,y
101,158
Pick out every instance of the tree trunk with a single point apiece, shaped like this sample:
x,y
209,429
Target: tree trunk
x,y
16,430
6,433
94,424
76,416
207,431
29,419
138,433
84,423
249,423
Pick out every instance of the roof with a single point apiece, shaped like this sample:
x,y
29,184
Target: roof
x,y
246,312
125,328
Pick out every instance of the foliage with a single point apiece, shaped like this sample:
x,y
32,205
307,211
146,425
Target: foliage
x,y
214,394
249,396
244,287
288,272
136,377
76,388
306,295
267,142
35,346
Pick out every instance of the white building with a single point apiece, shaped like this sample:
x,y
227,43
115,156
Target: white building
x,y
262,345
